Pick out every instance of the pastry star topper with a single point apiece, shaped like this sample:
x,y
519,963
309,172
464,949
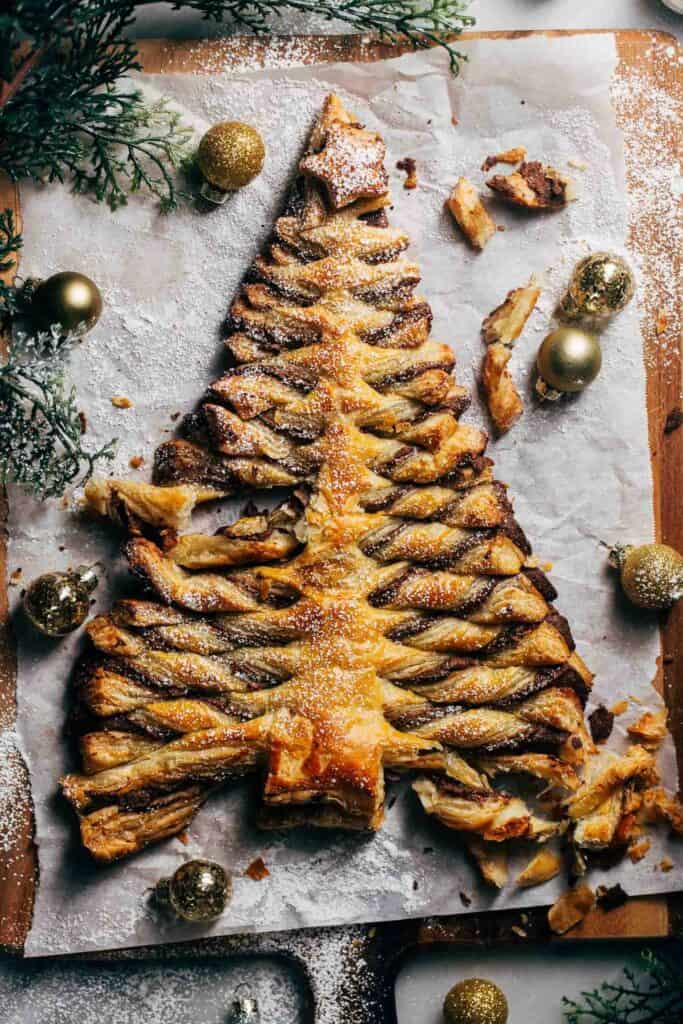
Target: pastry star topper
x,y
350,164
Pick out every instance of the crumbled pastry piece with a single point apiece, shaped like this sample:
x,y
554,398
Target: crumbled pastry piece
x,y
533,186
470,214
409,165
136,461
502,398
579,165
666,864
650,729
612,772
571,908
659,806
662,322
610,898
515,155
121,402
638,850
492,861
541,868
506,322
619,708
160,506
500,330
517,929
350,164
257,870
601,722
15,577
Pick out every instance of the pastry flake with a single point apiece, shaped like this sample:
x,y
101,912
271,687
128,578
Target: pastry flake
x,y
502,398
470,214
387,615
571,908
546,864
514,155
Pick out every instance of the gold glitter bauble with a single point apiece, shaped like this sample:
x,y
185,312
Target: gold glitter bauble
x,y
198,891
475,1001
230,155
602,284
59,602
569,359
651,575
68,299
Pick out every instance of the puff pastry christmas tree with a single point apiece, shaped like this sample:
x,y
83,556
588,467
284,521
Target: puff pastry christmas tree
x,y
387,614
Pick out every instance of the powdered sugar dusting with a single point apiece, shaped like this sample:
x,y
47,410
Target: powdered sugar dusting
x,y
12,792
648,115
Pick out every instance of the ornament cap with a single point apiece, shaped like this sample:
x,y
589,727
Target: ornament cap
x,y
88,575
214,195
617,554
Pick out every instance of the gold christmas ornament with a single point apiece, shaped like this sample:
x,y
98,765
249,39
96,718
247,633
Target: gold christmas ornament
x,y
59,602
651,575
568,360
475,1001
602,284
197,891
230,155
68,299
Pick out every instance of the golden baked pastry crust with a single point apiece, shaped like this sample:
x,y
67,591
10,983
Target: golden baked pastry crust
x,y
386,615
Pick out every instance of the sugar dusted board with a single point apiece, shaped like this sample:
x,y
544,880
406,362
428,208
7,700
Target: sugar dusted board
x,y
643,54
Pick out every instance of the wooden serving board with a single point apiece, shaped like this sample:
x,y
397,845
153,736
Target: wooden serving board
x,y
364,995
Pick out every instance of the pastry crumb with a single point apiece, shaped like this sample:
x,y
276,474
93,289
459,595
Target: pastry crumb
x,y
135,461
610,898
121,402
649,729
619,708
515,155
571,908
666,864
518,930
409,165
662,322
637,851
578,165
257,870
601,722
183,837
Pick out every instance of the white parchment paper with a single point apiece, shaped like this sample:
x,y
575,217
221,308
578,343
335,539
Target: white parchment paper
x,y
579,470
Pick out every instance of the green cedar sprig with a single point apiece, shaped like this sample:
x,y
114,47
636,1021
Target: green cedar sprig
x,y
654,996
10,244
41,429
